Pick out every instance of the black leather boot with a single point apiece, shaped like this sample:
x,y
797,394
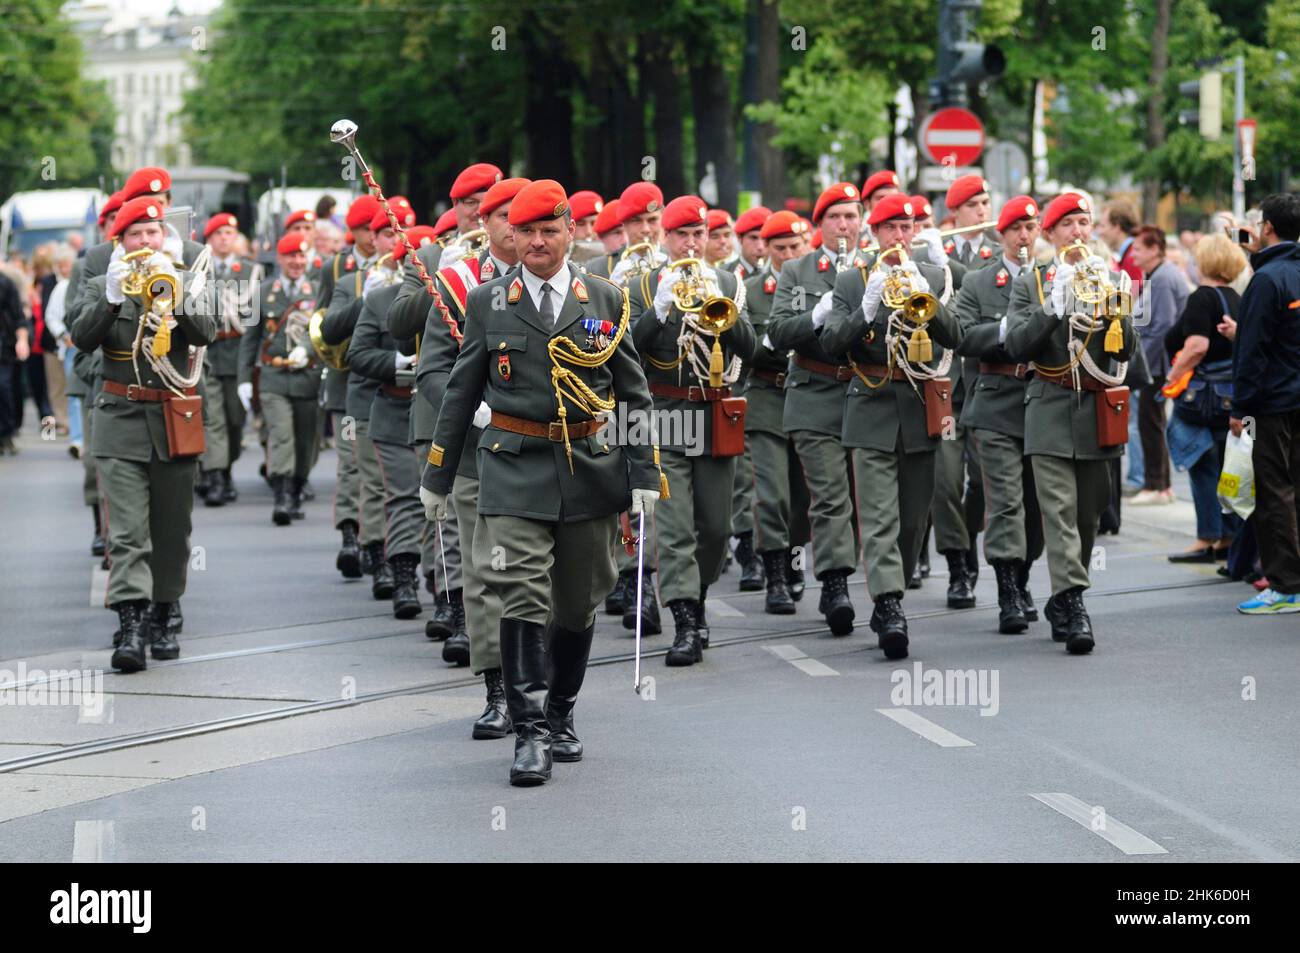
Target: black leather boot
x,y
495,720
1079,639
650,624
406,593
348,560
701,621
960,594
1011,617
914,581
1058,616
201,484
752,570
565,669
617,598
216,491
890,625
295,497
281,509
794,576
133,620
97,541
1022,584
973,564
308,493
523,666
779,600
456,648
381,584
686,648
367,560
835,604
228,491
443,624
164,627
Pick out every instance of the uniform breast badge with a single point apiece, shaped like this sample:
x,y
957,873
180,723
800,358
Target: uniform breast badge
x,y
503,366
599,333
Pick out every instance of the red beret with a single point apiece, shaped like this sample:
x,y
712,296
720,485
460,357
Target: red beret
x,y
639,198
839,192
446,222
685,210
348,238
817,238
302,215
501,193
608,219
783,223
719,218
477,178
380,220
145,208
585,203
1063,205
289,244
220,220
896,205
417,236
1022,206
402,212
921,206
112,205
751,219
542,200
150,180
964,189
884,179
362,210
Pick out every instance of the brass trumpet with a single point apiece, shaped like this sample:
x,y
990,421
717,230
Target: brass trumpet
x,y
643,259
470,245
334,355
698,294
900,292
944,233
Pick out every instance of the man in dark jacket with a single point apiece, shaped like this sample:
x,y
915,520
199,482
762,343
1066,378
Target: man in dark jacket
x,y
14,348
1266,389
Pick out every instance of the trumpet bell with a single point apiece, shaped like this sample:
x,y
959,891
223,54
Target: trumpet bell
x,y
334,355
920,307
716,315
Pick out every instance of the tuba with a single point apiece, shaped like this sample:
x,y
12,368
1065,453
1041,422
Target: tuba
x,y
697,294
334,355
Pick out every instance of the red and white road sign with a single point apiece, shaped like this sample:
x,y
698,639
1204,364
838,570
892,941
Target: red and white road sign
x,y
952,136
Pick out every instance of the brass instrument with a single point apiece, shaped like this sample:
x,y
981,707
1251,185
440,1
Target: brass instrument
x,y
1091,285
698,294
472,244
643,260
334,355
158,291
945,233
901,294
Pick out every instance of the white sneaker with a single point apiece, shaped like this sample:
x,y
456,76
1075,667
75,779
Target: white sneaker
x,y
1147,498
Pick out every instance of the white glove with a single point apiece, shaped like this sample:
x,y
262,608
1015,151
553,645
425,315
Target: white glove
x,y
822,310
918,279
117,270
404,360
643,501
664,294
482,416
298,357
1061,288
435,505
767,343
245,392
161,262
871,297
934,244
375,278
620,269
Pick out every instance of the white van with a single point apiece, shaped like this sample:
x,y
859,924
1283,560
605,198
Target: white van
x,y
29,219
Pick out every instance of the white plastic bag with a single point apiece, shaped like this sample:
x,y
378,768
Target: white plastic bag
x,y
1237,481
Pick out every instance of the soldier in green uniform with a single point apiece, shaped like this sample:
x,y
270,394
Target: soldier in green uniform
x,y
551,487
694,409
1079,362
749,260
147,483
816,383
608,229
895,410
995,414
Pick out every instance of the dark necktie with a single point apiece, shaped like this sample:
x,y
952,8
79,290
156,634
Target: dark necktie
x,y
547,310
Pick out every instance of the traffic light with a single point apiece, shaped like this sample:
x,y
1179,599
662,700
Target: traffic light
x,y
1207,93
961,60
975,62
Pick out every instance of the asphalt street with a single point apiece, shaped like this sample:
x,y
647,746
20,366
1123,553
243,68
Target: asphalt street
x,y
304,723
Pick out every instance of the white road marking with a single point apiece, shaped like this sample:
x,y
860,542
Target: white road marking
x,y
93,842
809,666
98,587
926,728
1101,824
718,607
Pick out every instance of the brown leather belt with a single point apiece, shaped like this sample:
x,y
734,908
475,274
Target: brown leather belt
x,y
1086,381
879,370
393,390
553,431
228,335
136,392
1018,371
836,372
772,377
689,393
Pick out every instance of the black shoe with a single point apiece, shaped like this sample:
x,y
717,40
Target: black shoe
x,y
650,624
779,600
914,581
456,648
923,560
295,497
752,569
617,598
308,493
835,604
1079,640
202,483
686,648
523,668
133,618
701,621
367,560
406,593
97,547
215,494
890,625
495,720
228,491
1058,616
566,666
443,624
164,626
282,509
973,565
348,560
1022,585
794,576
381,584
1204,555
960,595
1011,615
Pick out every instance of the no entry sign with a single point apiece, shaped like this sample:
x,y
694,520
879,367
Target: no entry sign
x,y
952,136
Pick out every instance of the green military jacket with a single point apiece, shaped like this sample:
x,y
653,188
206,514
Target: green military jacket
x,y
986,253
892,414
129,429
373,357
347,275
602,266
236,286
766,410
267,338
1058,422
504,361
994,402
93,263
658,341
411,307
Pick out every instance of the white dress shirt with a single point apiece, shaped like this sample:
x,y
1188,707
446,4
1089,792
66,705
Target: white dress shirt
x,y
559,283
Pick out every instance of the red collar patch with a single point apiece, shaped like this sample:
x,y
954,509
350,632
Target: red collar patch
x,y
579,290
1002,277
487,270
1051,273
236,266
351,263
823,263
986,252
864,243
315,262
769,285
515,292
276,286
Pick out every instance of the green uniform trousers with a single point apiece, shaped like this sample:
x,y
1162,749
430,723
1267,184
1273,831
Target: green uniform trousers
x,y
433,555
404,520
958,508
290,434
826,470
693,526
370,488
742,498
540,570
482,605
1071,494
345,485
223,422
894,494
779,491
89,463
148,506
1015,526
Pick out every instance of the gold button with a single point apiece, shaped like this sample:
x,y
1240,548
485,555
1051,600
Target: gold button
x,y
605,447
501,346
496,446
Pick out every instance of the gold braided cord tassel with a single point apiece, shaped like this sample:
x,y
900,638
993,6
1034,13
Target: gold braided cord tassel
x,y
663,477
919,349
1114,342
162,340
